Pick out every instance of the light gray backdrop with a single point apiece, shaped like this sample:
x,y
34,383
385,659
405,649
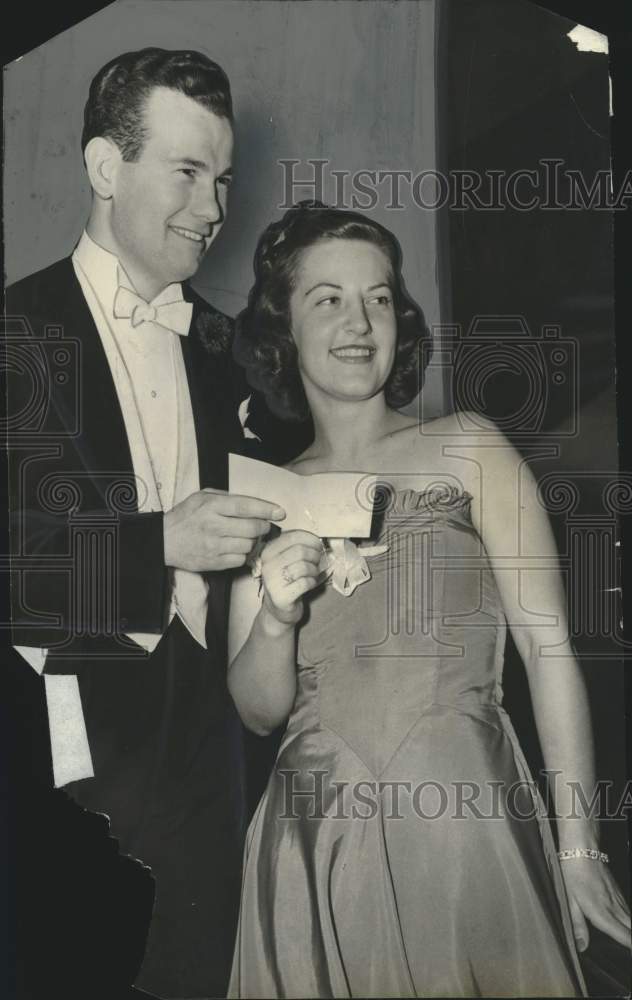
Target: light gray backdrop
x,y
353,83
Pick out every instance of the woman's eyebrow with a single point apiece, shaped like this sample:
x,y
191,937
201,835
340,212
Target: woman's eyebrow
x,y
331,284
321,284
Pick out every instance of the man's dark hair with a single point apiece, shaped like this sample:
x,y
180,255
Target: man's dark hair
x,y
264,344
115,108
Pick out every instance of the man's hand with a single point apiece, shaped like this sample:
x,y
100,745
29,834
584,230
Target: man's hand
x,y
214,530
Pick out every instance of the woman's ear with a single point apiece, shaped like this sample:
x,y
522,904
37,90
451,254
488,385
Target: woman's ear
x,y
102,158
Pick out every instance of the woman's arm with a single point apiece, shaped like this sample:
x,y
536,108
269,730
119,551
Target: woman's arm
x,y
261,652
517,535
261,631
520,544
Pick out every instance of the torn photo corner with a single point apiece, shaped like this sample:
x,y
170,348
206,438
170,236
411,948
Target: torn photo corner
x,y
329,504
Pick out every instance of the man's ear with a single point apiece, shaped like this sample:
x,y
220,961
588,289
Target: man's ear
x,y
102,157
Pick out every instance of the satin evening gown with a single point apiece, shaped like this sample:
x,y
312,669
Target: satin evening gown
x,y
400,849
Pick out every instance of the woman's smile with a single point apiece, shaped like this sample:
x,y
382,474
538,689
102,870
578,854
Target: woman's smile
x,y
354,354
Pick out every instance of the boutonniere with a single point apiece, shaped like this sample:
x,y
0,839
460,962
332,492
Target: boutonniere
x,y
243,413
215,332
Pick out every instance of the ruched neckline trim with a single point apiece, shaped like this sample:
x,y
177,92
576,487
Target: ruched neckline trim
x,y
441,498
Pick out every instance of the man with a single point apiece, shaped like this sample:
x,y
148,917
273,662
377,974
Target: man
x,y
122,531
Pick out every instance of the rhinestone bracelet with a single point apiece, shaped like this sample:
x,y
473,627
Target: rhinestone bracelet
x,y
583,852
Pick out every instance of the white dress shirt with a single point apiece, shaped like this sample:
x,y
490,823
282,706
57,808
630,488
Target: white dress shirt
x,y
148,370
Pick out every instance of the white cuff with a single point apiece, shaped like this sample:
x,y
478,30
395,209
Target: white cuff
x,y
34,656
68,737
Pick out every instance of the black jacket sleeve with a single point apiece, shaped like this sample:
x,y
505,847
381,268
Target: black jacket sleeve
x,y
85,565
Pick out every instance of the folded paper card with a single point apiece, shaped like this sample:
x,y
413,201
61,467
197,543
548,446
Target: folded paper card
x,y
329,504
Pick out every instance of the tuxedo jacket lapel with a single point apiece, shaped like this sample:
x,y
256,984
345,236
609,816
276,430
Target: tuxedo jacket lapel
x,y
87,413
205,415
54,297
209,370
102,442
211,376
105,437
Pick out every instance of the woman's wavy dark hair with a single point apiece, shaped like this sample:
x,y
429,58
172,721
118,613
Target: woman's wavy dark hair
x,y
263,343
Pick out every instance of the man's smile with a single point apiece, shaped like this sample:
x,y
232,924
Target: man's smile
x,y
189,234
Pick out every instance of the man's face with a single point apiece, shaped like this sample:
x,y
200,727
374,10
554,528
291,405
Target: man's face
x,y
169,205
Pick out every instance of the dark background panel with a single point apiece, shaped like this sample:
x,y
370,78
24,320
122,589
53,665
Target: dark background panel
x,y
519,91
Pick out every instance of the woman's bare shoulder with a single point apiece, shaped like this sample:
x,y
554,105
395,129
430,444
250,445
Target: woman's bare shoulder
x,y
463,428
460,424
465,446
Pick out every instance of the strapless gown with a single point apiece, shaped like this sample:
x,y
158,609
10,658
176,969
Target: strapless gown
x,y
400,849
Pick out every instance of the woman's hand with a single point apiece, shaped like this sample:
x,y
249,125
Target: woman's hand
x,y
290,567
594,895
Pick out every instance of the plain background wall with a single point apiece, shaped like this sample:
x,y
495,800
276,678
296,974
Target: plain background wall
x,y
350,82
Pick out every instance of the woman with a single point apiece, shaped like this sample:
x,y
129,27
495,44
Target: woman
x,y
399,849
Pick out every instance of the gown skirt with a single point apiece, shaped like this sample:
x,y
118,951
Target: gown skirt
x,y
401,848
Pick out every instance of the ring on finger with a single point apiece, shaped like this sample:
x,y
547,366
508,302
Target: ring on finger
x,y
287,575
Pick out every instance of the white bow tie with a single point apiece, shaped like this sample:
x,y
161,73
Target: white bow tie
x,y
174,315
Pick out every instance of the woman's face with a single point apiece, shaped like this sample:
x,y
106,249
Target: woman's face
x,y
343,320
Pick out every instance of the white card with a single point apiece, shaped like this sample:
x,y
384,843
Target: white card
x,y
329,504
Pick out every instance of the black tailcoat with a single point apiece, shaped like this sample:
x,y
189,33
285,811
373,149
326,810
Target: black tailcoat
x,y
87,568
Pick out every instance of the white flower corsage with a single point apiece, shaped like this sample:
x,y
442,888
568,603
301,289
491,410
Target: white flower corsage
x,y
347,565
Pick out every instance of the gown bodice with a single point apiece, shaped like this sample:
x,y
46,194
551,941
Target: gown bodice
x,y
427,630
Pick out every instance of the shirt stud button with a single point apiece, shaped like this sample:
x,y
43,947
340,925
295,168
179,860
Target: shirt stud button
x,y
154,393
